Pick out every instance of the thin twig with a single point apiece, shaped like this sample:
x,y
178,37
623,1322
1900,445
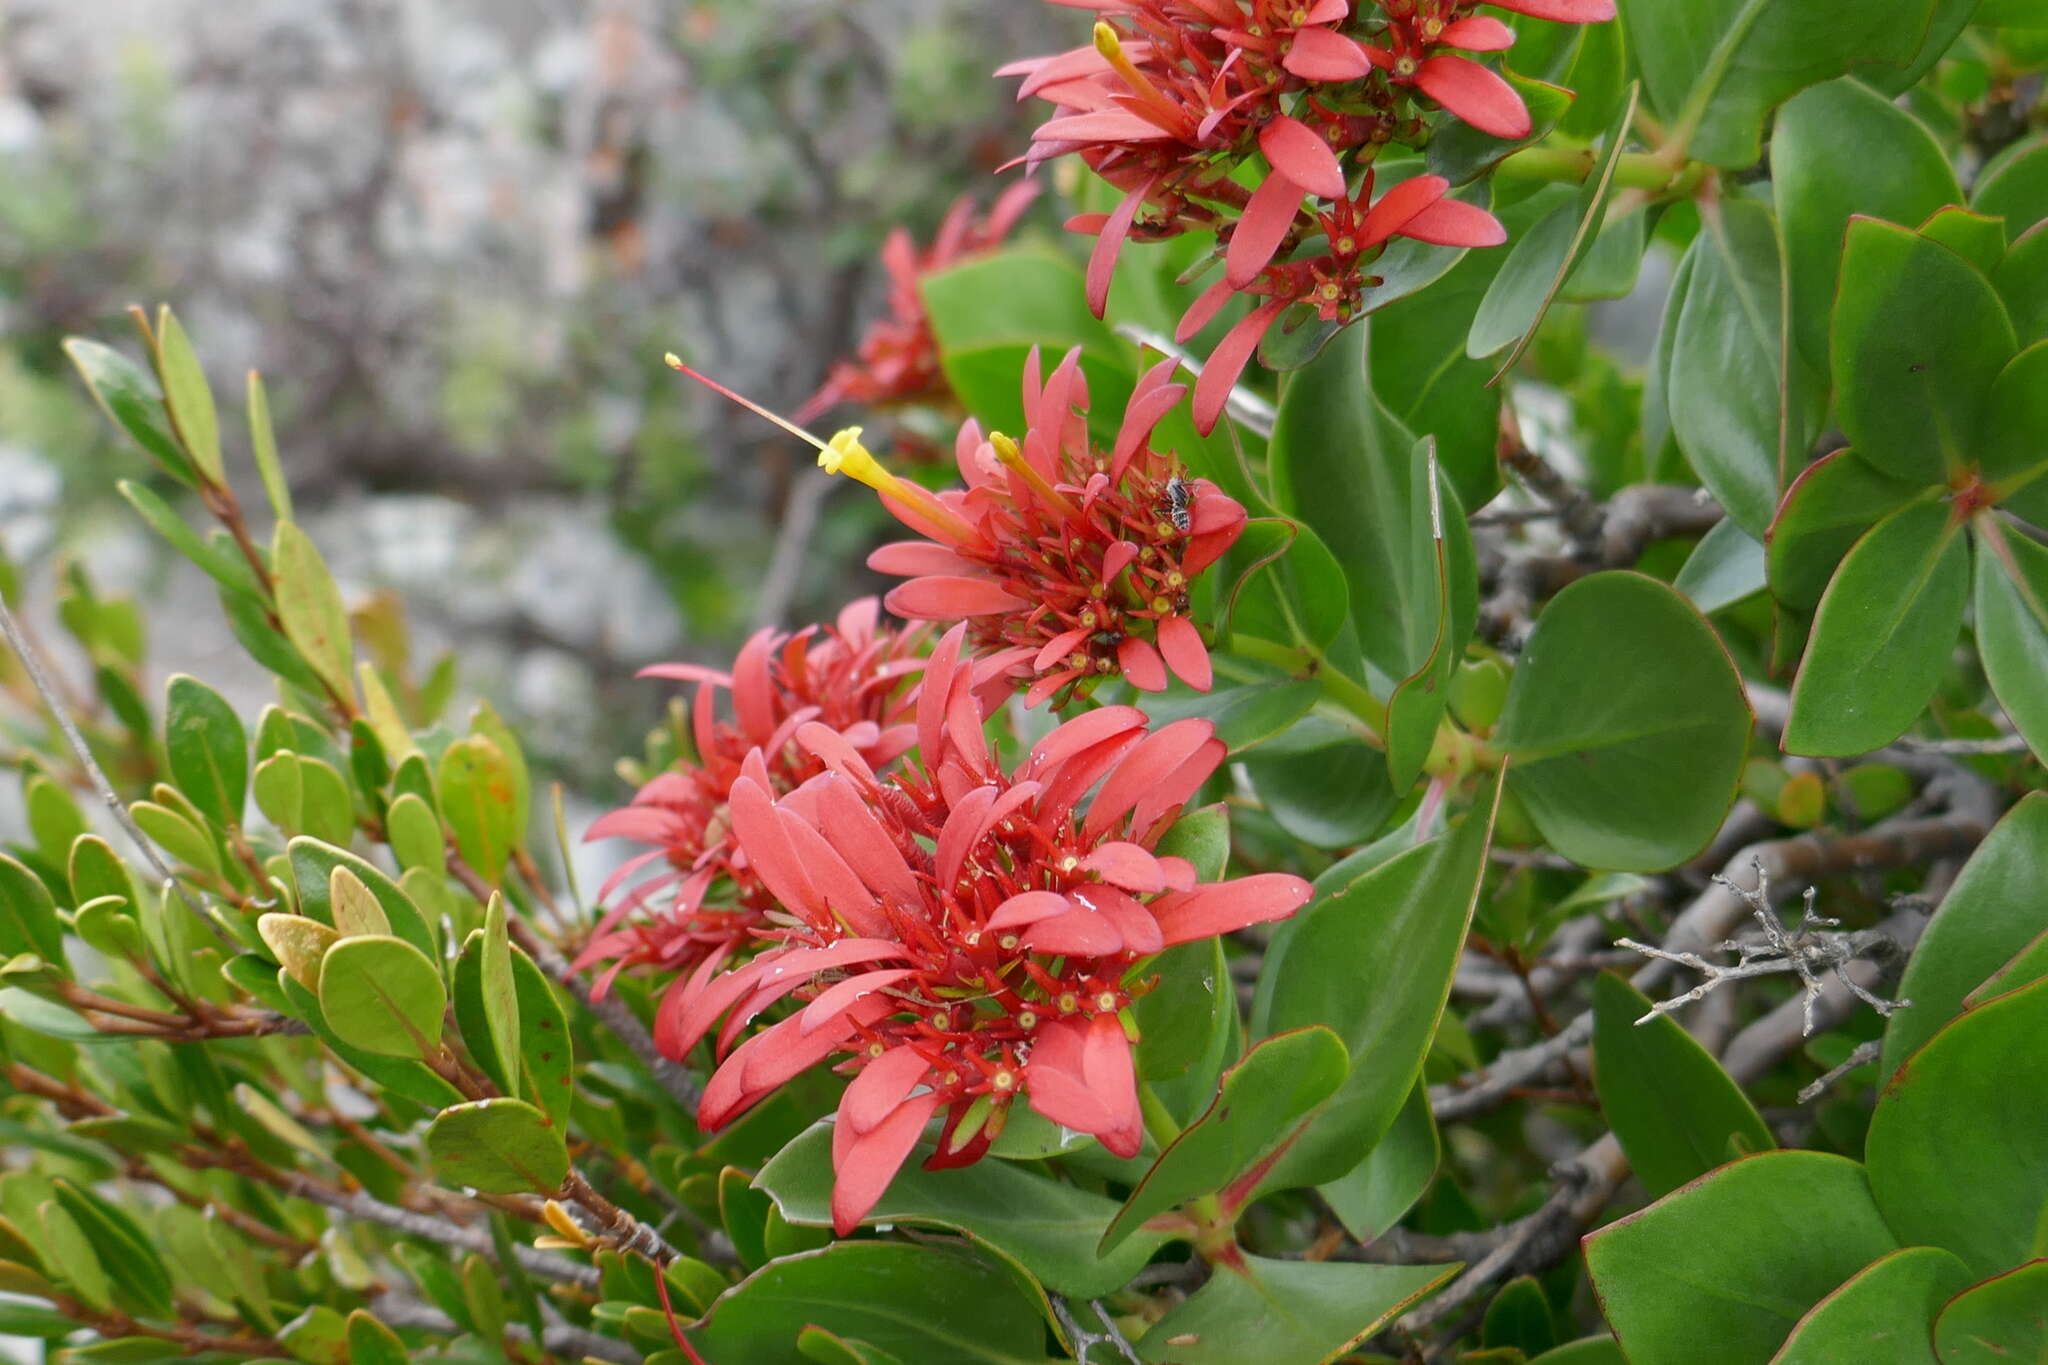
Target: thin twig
x,y
1085,1340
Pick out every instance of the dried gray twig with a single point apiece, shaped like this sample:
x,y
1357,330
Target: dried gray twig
x,y
1813,948
1865,1052
1085,1340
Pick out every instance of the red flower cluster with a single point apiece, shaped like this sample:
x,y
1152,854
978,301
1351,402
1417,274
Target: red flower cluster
x,y
1169,106
959,934
855,679
898,359
1070,564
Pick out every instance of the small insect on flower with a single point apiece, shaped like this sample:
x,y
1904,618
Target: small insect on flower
x,y
1180,498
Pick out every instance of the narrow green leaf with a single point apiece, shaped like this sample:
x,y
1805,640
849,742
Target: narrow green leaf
x,y
28,915
129,396
187,396
310,606
1374,1195
2012,629
263,443
1258,1111
1675,1111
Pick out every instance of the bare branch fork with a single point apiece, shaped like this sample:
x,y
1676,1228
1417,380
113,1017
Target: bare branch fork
x,y
1809,950
1084,1340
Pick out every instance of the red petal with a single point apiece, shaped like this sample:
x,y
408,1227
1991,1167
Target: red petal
x,y
1110,241
769,852
1232,354
835,999
1225,907
867,846
685,673
1158,757
1132,920
1203,310
1106,1062
1261,229
1297,152
1474,94
962,830
881,1086
1185,653
871,1162
1027,907
1082,931
1478,33
1071,737
939,597
1453,222
1122,863
1562,11
910,558
1056,649
1317,54
1394,208
1141,664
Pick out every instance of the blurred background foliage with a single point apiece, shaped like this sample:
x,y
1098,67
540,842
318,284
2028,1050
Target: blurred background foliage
x,y
457,236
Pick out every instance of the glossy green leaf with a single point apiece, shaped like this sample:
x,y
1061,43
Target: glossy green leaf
x,y
1049,1227
970,1309
177,836
28,915
1744,406
1673,1108
1286,1312
1375,1194
187,396
1826,510
1177,1017
499,1146
2014,186
545,1047
1245,715
280,791
1333,797
1714,69
263,444
1585,1351
1961,1103
411,1079
1883,635
382,995
816,1344
1726,567
1840,149
128,394
500,993
2012,629
1886,1312
1627,724
2022,282
1976,238
318,1336
1614,262
1259,1110
1540,262
1373,962
1720,1271
479,801
1998,1322
466,996
1917,338
1341,464
326,810
2012,450
298,944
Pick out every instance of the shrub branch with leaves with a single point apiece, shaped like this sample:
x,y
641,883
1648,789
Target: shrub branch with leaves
x,y
1271,897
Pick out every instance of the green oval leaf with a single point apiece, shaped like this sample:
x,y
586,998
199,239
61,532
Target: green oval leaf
x,y
2012,629
1883,636
2003,1320
128,394
1840,149
1286,1312
498,1146
1627,724
1708,1275
1886,1312
1826,510
382,995
479,800
1917,338
188,397
310,607
1965,1103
